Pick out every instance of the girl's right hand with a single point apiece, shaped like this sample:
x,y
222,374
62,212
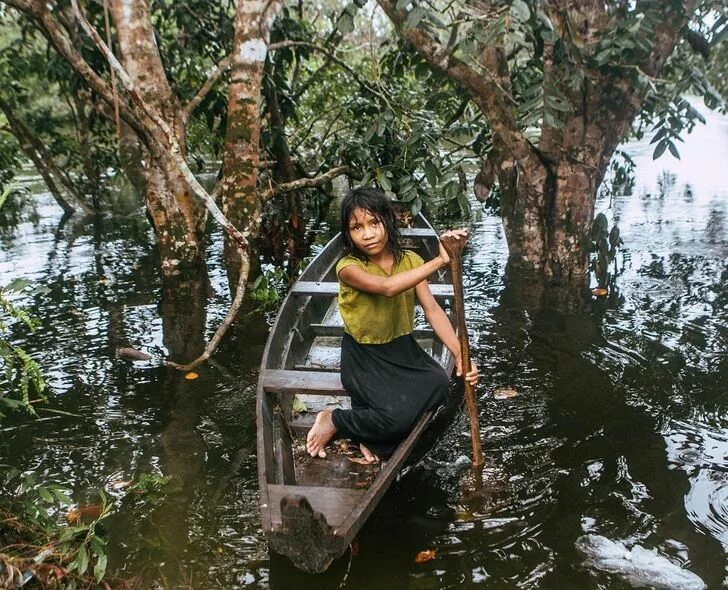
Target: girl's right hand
x,y
455,233
444,256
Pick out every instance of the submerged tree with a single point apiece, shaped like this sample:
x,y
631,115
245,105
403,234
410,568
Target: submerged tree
x,y
561,85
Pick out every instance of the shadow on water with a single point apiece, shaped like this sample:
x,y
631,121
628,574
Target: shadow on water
x,y
609,471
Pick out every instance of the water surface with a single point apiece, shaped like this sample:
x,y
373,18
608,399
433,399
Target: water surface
x,y
619,426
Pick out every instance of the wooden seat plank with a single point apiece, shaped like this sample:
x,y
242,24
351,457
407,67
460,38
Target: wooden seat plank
x,y
302,382
417,232
331,288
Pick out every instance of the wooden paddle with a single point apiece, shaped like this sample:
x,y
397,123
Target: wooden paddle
x,y
454,247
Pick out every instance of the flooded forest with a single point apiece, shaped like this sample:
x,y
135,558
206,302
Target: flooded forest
x,y
168,169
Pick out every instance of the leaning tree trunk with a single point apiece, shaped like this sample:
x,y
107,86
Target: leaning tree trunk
x,y
177,216
548,192
240,198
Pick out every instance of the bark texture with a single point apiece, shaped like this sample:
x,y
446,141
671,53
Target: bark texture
x,y
177,216
241,203
548,192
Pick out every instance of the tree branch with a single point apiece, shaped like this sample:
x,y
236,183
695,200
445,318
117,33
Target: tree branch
x,y
361,81
215,74
295,185
226,322
38,11
496,106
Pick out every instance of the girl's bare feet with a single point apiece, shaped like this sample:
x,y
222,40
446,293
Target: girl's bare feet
x,y
322,431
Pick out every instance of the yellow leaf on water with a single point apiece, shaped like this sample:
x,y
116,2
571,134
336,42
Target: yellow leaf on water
x,y
86,513
426,555
191,375
599,292
505,393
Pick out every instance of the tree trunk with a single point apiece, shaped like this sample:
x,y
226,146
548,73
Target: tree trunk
x,y
291,226
240,200
548,193
177,216
54,178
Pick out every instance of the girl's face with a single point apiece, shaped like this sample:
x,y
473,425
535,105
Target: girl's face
x,y
367,232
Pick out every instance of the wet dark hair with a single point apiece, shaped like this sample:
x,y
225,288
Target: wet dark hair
x,y
375,202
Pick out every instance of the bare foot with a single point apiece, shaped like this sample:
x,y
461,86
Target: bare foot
x,y
368,455
321,433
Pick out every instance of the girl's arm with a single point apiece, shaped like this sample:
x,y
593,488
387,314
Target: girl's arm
x,y
440,323
357,277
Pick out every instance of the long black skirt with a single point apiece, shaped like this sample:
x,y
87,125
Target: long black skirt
x,y
391,385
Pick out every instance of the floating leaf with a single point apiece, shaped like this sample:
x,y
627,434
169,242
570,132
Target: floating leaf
x,y
191,375
599,292
426,555
86,513
505,393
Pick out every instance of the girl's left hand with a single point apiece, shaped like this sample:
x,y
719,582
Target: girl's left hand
x,y
472,376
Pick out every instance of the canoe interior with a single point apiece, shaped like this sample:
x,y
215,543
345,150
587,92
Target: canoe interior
x,y
300,377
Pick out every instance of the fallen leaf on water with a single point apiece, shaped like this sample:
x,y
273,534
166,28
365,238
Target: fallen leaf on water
x,y
219,550
132,354
505,393
84,513
426,555
599,292
191,375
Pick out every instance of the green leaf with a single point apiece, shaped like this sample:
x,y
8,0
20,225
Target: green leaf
x,y
346,23
5,194
414,17
299,406
660,149
520,11
45,495
673,149
81,561
100,567
17,285
383,180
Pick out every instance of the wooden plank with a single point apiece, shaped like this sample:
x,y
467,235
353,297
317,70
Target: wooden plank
x,y
417,232
303,422
335,504
330,288
303,382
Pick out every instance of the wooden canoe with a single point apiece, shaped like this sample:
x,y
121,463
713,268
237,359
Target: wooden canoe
x,y
311,508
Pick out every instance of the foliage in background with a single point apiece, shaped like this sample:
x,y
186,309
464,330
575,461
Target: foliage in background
x,y
19,373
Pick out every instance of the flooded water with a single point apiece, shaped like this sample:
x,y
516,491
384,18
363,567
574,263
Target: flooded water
x,y
618,428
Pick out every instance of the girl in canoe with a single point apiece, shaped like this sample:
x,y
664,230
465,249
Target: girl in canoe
x,y
391,380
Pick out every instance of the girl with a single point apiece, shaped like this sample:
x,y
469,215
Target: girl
x,y
390,378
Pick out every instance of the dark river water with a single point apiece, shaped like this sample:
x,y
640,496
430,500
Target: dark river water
x,y
617,428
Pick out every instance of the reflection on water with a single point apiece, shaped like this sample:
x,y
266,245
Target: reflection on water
x,y
619,427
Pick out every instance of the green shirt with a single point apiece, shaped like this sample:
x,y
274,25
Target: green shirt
x,y
376,319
